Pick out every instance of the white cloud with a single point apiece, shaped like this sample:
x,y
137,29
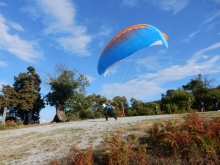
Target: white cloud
x,y
59,20
215,46
152,62
23,49
213,16
3,64
44,121
91,79
104,31
149,84
58,15
32,12
190,36
15,25
149,62
77,45
171,5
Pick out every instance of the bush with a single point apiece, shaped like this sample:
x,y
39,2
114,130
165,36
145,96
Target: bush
x,y
11,123
72,117
2,126
87,114
19,122
196,140
77,157
124,151
130,112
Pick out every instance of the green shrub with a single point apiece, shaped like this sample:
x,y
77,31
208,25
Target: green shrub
x,y
87,114
130,112
19,122
2,126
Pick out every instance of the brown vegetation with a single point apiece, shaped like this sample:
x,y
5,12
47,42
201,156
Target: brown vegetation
x,y
194,140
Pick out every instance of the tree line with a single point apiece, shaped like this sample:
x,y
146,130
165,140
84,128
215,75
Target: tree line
x,y
24,101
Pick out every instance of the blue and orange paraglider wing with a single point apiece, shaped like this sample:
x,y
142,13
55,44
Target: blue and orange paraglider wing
x,y
127,42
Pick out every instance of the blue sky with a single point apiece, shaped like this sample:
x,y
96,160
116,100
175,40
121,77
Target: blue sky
x,y
42,34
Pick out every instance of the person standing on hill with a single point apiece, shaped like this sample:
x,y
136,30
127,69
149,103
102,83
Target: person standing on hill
x,y
109,110
156,110
215,103
201,106
122,110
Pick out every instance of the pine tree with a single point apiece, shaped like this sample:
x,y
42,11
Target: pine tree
x,y
27,85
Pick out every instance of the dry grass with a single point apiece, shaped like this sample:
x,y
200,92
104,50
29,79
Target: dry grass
x,y
16,147
41,147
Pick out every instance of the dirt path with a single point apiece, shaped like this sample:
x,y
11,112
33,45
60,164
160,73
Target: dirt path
x,y
41,144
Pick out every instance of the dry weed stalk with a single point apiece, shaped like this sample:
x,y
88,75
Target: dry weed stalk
x,y
79,157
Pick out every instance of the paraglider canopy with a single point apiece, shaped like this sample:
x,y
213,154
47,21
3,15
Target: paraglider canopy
x,y
127,42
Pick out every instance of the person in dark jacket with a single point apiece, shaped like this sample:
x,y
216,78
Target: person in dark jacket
x,y
108,110
201,106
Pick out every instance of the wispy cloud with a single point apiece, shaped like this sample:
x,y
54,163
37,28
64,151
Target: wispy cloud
x,y
212,47
3,4
59,20
171,5
104,31
149,84
23,49
101,44
2,82
216,1
212,16
32,12
153,62
149,62
15,26
190,36
91,79
3,64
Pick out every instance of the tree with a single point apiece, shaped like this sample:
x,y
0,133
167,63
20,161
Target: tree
x,y
95,104
27,85
176,100
7,99
66,86
88,107
120,101
202,89
138,107
38,105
